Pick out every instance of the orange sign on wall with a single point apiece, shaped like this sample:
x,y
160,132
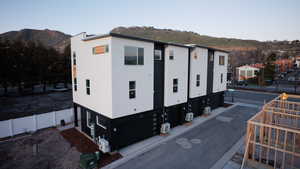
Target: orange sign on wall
x,y
100,49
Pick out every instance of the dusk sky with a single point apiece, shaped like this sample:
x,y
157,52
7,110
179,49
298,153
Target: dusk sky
x,y
246,19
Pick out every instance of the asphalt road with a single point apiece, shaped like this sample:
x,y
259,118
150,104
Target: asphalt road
x,y
250,97
199,148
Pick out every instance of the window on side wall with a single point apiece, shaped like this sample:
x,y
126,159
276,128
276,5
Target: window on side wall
x,y
221,77
221,60
133,55
175,85
132,89
171,54
88,88
74,58
75,84
157,55
197,80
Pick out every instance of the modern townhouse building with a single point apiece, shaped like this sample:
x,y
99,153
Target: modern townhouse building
x,y
126,88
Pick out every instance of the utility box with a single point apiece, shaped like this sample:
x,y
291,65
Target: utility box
x,y
189,117
165,128
89,161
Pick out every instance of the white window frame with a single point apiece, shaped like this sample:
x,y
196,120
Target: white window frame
x,y
98,123
156,53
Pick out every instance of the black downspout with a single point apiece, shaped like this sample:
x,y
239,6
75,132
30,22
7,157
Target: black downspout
x,y
189,106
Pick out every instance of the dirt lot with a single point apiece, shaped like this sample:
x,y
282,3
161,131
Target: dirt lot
x,y
53,152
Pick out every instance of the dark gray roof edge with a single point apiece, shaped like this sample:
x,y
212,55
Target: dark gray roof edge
x,y
216,49
150,40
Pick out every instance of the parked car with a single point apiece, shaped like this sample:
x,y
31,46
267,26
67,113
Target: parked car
x,y
242,83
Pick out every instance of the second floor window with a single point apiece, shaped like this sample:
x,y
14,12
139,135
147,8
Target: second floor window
x,y
133,55
75,84
221,60
74,58
221,77
88,88
175,85
157,55
171,54
197,80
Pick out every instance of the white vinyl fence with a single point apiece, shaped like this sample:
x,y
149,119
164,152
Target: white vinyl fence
x,y
33,123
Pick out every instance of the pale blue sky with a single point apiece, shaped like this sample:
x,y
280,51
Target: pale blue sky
x,y
246,19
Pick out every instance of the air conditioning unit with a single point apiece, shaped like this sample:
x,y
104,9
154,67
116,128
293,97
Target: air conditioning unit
x,y
189,117
103,145
207,110
165,128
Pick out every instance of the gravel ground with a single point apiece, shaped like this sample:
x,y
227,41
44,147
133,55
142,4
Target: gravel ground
x,y
53,152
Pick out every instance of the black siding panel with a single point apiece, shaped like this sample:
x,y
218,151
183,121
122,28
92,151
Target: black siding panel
x,y
158,101
210,72
176,114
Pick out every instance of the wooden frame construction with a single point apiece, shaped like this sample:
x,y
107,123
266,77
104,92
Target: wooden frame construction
x,y
273,134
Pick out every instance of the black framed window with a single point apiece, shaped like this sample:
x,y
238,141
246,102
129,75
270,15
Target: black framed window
x,y
198,80
221,77
75,84
140,56
133,55
175,85
88,88
132,89
171,54
74,58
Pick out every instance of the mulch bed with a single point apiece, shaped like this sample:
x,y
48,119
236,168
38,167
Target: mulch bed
x,y
227,105
85,145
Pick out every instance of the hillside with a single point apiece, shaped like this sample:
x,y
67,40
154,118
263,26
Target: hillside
x,y
48,38
187,37
242,51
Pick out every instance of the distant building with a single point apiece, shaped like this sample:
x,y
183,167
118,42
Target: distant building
x,y
283,65
297,61
248,71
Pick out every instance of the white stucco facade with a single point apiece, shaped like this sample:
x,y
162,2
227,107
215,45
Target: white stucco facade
x,y
95,67
122,74
176,68
220,72
198,66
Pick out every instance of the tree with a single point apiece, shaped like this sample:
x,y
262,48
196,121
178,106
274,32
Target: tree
x,y
67,63
269,70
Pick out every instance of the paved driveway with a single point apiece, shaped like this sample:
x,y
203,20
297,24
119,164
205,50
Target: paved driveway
x,y
200,147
